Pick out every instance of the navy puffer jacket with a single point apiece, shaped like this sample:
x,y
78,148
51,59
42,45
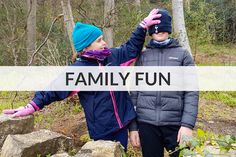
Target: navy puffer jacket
x,y
102,115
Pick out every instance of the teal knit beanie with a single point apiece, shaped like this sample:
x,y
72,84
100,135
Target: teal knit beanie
x,y
84,34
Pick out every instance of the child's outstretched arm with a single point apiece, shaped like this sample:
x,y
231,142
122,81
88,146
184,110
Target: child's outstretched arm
x,y
21,111
134,45
39,101
43,98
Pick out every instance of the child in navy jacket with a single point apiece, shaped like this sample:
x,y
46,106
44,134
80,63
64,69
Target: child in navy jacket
x,y
107,112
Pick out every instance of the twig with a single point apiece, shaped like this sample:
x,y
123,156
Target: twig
x,y
45,40
36,51
176,150
16,93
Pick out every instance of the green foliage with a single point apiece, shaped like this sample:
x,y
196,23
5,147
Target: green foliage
x,y
13,22
211,21
228,98
77,109
57,51
226,142
133,152
193,146
226,11
72,152
200,28
5,94
13,35
60,109
6,99
124,27
85,138
221,49
199,21
38,118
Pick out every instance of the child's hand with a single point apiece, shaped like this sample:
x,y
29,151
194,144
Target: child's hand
x,y
184,131
21,111
134,139
151,19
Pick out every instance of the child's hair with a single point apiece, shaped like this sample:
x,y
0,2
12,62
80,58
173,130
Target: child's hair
x,y
74,56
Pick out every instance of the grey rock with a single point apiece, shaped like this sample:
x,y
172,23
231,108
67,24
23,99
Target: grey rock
x,y
100,148
42,143
13,126
83,155
61,155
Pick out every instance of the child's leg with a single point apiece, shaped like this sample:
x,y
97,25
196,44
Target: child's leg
x,y
170,134
151,140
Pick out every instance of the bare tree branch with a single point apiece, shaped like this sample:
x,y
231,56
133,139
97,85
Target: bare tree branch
x,y
36,51
45,40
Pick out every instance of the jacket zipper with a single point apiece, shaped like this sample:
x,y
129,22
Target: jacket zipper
x,y
160,63
115,109
157,99
113,100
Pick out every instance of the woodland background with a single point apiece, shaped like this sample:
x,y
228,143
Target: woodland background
x,y
37,28
210,24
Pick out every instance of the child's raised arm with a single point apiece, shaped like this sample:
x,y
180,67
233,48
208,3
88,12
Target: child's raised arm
x,y
134,45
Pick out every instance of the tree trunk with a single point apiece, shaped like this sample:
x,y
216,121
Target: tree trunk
x,y
31,28
179,23
68,20
109,6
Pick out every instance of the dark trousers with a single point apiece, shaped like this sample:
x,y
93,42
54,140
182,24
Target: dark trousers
x,y
119,136
155,138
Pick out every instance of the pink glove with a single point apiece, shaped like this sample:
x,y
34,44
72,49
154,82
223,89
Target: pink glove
x,y
151,19
21,111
